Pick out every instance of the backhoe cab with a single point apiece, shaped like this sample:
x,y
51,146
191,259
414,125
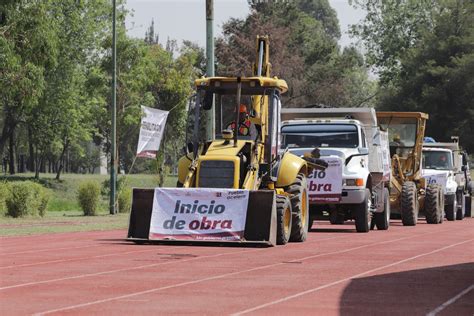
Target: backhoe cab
x,y
241,163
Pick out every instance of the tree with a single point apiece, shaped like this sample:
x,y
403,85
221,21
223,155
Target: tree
x,y
303,51
435,72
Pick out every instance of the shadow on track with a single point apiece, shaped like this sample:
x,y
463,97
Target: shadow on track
x,y
415,292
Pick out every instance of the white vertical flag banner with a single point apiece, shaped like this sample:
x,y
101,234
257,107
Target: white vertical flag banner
x,y
151,132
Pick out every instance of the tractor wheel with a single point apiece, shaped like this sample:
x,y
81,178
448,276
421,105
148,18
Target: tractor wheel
x,y
468,203
362,214
461,206
433,212
441,203
451,210
409,204
300,209
382,220
283,206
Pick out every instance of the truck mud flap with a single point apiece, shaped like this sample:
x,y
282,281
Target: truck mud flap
x,y
260,225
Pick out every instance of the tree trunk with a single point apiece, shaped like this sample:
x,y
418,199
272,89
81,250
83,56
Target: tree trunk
x,y
31,150
12,152
37,163
61,159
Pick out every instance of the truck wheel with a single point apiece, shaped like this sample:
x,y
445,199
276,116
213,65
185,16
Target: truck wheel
x,y
300,209
362,214
409,204
461,206
382,220
283,206
468,203
336,218
433,212
451,210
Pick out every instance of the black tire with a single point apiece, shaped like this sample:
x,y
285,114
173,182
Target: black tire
x,y
382,220
450,210
336,217
461,206
362,214
433,211
284,215
311,221
468,203
409,206
179,184
299,208
441,203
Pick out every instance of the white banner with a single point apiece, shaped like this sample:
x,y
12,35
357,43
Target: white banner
x,y
326,185
386,160
199,214
438,178
151,132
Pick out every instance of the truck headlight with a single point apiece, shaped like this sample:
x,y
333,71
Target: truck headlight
x,y
359,182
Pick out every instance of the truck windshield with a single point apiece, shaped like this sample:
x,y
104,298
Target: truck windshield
x,y
320,135
439,160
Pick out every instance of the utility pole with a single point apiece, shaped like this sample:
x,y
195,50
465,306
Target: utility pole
x,y
113,156
210,117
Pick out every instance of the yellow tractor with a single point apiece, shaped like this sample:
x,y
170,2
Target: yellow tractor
x,y
243,156
409,192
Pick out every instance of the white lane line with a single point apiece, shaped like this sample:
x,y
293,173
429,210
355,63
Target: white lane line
x,y
127,269
450,301
74,259
284,299
220,276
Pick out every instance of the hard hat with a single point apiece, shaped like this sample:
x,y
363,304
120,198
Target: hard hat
x,y
396,137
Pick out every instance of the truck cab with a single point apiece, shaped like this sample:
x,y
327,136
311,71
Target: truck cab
x,y
357,153
455,177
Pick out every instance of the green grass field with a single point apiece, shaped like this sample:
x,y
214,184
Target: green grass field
x,y
64,213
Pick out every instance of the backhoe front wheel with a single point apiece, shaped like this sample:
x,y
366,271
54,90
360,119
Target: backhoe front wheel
x,y
433,207
409,204
284,215
300,209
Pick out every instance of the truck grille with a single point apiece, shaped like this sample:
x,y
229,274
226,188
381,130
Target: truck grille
x,y
216,174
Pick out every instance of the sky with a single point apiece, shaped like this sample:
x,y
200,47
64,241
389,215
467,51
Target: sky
x,y
186,19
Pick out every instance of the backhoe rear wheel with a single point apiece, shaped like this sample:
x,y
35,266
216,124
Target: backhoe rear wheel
x,y
300,209
409,204
433,208
283,205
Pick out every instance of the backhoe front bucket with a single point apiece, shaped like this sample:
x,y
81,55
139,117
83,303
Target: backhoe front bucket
x,y
260,224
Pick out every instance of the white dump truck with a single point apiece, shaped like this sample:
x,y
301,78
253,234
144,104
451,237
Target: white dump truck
x,y
447,164
356,183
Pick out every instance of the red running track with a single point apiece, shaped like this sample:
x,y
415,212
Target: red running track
x,y
422,270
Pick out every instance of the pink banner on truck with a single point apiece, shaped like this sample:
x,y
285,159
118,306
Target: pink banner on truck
x,y
326,185
199,214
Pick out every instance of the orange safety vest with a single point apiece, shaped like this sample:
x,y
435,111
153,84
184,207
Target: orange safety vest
x,y
244,128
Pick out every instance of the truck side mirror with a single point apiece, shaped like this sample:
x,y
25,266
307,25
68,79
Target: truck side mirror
x,y
208,100
463,168
363,151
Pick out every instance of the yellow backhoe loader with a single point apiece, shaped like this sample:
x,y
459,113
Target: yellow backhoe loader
x,y
410,194
243,158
